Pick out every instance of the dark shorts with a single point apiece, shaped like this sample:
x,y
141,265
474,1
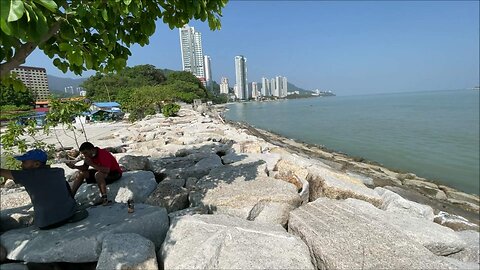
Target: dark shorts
x,y
111,177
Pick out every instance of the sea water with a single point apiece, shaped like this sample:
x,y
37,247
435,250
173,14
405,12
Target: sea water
x,y
433,134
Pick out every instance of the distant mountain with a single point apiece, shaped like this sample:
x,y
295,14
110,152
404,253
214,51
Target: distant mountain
x,y
292,87
58,84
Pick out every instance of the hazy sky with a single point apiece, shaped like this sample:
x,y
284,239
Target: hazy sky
x,y
349,47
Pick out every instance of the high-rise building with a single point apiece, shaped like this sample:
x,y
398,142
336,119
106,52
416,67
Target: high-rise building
x,y
241,77
208,70
279,86
265,87
255,92
273,87
284,87
35,79
192,52
224,86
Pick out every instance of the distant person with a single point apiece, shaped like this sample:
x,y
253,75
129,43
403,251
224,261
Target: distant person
x,y
48,189
105,170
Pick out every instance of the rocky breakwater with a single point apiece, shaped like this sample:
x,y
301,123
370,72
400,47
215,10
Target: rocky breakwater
x,y
212,195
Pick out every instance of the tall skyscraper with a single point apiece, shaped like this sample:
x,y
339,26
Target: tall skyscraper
x,y
255,92
273,87
241,77
284,88
279,86
224,86
192,52
208,70
35,79
265,87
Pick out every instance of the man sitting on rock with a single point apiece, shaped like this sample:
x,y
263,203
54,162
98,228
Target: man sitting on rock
x,y
105,170
48,189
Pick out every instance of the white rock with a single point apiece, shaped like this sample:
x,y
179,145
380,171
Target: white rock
x,y
392,202
127,251
9,183
225,242
136,185
85,237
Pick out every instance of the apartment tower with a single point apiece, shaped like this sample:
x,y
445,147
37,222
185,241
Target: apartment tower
x,y
192,52
35,79
224,86
208,70
265,87
241,77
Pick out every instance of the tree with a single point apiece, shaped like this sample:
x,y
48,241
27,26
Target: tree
x,y
103,87
81,35
17,97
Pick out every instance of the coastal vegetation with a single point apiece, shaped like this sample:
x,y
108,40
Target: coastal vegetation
x,y
142,90
15,99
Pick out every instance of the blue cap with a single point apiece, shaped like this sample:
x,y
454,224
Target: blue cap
x,y
35,154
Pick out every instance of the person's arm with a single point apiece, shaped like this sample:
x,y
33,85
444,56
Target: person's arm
x,y
7,174
82,167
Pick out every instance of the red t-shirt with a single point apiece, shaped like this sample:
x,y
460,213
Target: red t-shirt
x,y
106,159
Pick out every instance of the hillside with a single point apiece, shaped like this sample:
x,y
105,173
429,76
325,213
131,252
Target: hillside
x,y
292,87
58,84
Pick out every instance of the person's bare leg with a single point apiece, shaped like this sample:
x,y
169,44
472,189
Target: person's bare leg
x,y
102,185
81,175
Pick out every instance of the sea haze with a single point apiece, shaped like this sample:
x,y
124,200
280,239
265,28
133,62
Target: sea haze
x,y
432,134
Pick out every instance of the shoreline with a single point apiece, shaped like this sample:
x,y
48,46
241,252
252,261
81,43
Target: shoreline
x,y
411,187
441,197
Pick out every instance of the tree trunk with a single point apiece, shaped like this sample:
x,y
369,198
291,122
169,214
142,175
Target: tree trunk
x,y
24,50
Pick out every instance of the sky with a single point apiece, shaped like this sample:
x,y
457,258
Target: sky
x,y
348,47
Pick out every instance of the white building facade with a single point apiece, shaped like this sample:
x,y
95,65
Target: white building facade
x,y
224,86
255,92
241,78
208,70
192,51
35,79
265,91
283,87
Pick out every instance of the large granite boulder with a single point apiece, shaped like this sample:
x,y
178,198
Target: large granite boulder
x,y
82,241
13,198
392,202
170,196
134,163
335,185
471,253
127,251
226,242
16,209
438,239
15,218
136,185
270,159
341,236
239,191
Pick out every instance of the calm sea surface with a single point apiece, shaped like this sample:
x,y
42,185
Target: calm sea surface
x,y
432,134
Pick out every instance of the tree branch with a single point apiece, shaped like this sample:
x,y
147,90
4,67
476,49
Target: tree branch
x,y
25,50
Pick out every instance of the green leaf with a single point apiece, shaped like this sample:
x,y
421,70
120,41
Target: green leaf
x,y
49,4
105,15
127,2
5,26
64,47
88,61
4,9
16,10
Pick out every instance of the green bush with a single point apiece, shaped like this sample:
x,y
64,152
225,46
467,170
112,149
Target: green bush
x,y
170,109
